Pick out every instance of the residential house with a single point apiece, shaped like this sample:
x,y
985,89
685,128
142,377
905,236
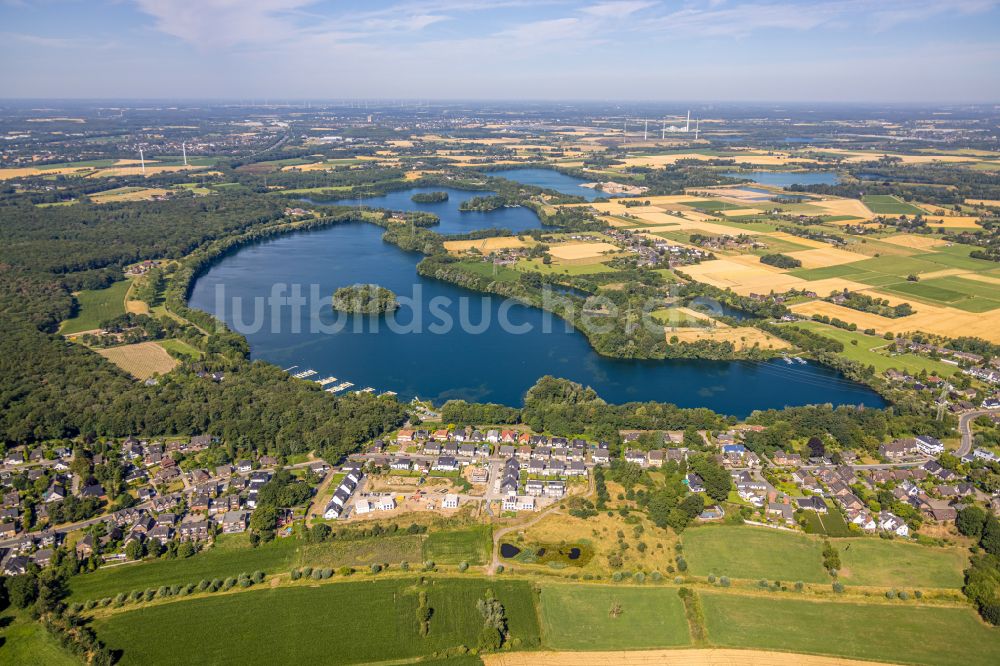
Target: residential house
x,y
811,503
695,483
445,464
781,511
898,449
450,501
929,446
234,522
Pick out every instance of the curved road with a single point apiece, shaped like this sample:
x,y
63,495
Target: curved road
x,y
964,423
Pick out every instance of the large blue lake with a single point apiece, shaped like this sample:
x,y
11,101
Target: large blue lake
x,y
481,360
552,180
787,178
453,221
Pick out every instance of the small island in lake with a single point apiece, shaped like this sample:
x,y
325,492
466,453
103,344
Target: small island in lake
x,y
364,299
429,197
484,204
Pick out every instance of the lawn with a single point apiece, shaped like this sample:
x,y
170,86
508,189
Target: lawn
x,y
578,617
96,306
902,632
343,623
473,545
180,347
906,566
230,556
753,553
886,204
25,642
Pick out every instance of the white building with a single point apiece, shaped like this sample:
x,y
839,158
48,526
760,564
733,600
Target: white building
x,y
450,501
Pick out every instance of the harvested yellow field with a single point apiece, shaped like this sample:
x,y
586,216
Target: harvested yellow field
x,y
141,360
741,278
715,229
679,657
737,212
741,338
947,272
129,194
661,218
914,241
484,245
981,278
937,320
823,257
983,202
581,251
863,156
798,240
667,160
838,207
136,307
137,170
24,172
667,199
827,286
952,221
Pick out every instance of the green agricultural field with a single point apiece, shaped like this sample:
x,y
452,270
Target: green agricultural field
x,y
872,350
898,266
562,269
473,545
905,566
362,552
927,291
843,270
902,632
754,552
96,306
342,623
230,556
886,204
24,642
579,617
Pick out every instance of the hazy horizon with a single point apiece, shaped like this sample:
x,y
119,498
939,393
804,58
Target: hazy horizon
x,y
748,51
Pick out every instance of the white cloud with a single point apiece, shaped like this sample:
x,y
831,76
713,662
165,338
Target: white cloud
x,y
618,9
225,23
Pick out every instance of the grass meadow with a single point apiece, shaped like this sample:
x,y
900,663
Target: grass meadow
x,y
754,552
886,204
867,351
342,623
95,306
363,552
901,632
473,545
906,566
24,641
230,556
578,617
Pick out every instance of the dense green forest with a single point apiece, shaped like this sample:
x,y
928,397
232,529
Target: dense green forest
x,y
364,299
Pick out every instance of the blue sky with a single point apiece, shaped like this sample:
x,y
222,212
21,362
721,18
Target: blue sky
x,y
937,51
